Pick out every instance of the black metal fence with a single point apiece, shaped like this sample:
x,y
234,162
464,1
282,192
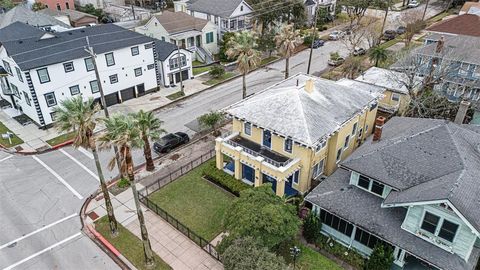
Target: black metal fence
x,y
166,179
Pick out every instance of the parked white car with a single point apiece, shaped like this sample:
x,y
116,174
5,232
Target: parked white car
x,y
413,4
336,35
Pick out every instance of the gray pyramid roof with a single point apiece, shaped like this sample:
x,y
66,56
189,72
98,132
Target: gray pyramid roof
x,y
291,111
425,160
27,16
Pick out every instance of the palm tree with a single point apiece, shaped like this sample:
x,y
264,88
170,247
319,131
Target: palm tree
x,y
150,128
378,54
75,115
243,47
287,41
122,131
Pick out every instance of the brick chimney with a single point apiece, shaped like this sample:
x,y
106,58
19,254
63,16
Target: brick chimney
x,y
309,86
377,133
462,112
440,44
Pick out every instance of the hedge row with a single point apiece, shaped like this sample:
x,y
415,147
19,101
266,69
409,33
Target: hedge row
x,y
222,179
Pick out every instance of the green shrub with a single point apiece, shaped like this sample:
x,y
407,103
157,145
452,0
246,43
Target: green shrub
x,y
350,256
123,183
380,259
216,71
224,180
307,40
311,227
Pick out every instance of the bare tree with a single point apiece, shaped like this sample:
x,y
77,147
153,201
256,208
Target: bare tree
x,y
355,9
373,32
413,24
356,37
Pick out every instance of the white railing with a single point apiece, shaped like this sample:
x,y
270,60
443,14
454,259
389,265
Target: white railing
x,y
257,154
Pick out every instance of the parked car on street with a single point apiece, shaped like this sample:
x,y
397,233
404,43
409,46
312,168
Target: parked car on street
x,y
389,35
170,141
336,62
413,4
401,30
359,51
318,43
336,35
347,30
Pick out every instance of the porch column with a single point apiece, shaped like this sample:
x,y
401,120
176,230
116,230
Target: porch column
x,y
258,172
218,153
352,237
280,187
238,165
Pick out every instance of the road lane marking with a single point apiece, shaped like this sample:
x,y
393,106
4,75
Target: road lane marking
x,y
80,164
5,158
43,251
38,230
58,177
85,152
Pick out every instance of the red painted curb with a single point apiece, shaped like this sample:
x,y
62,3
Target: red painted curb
x,y
104,241
62,144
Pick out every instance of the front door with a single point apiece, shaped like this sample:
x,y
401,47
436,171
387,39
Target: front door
x,y
199,41
267,138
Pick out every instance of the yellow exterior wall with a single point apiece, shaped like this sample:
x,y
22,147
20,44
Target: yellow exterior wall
x,y
307,157
402,103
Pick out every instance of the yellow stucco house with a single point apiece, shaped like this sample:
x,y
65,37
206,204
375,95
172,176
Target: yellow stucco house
x,y
295,131
395,96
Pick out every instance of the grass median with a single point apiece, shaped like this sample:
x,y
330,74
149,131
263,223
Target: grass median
x,y
5,142
128,245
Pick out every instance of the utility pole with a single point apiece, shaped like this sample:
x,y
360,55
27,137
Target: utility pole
x,y
90,51
179,57
425,10
314,32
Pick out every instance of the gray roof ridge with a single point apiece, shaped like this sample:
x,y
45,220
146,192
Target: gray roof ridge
x,y
456,183
401,140
303,114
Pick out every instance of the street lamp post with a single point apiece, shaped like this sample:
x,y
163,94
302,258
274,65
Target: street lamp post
x,y
294,252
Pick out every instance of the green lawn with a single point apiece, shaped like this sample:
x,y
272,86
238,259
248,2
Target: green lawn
x,y
129,245
312,260
61,139
5,142
195,202
176,95
224,77
198,70
196,63
268,60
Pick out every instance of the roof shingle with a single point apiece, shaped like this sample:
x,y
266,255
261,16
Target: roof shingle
x,y
466,24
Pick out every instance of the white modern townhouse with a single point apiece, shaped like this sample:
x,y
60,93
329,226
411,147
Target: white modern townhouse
x,y
45,68
228,15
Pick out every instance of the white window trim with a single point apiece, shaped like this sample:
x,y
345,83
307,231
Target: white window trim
x,y
244,124
285,144
443,242
319,170
395,94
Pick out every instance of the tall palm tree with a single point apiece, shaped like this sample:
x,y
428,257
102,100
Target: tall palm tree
x,y
287,41
79,116
150,128
243,47
122,131
378,54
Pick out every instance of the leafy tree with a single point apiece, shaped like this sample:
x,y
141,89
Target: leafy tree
x,y
217,71
122,131
224,46
75,115
355,9
150,129
268,14
98,12
247,254
312,227
38,6
211,121
261,214
266,42
243,47
287,41
380,259
6,4
378,55
323,17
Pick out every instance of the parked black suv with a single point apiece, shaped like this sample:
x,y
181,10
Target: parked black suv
x,y
389,35
170,141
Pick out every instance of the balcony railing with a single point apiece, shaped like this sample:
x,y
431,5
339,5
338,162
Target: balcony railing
x,y
258,154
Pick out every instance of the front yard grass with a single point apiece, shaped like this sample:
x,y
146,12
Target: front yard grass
x,y
5,142
224,77
268,60
129,245
198,70
311,260
61,139
195,202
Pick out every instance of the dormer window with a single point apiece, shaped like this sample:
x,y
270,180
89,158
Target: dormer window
x,y
288,145
247,128
446,231
368,184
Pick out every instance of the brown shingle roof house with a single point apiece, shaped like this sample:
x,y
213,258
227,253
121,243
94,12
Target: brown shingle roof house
x,y
466,24
175,22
